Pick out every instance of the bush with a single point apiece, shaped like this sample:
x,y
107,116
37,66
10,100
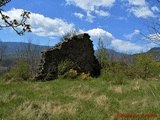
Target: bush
x,y
117,67
19,72
64,67
117,78
105,75
132,72
144,67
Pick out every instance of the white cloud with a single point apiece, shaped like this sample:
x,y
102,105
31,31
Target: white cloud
x,y
136,32
155,9
13,14
79,15
90,17
154,37
143,12
100,33
137,2
121,18
131,35
124,46
91,5
102,13
43,26
140,8
53,38
111,41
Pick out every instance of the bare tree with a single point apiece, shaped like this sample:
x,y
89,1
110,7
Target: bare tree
x,y
31,53
102,53
153,25
3,48
20,27
70,34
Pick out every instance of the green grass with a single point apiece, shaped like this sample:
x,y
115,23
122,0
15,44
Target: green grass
x,y
78,100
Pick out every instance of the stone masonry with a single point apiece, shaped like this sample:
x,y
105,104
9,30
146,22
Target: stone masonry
x,y
78,49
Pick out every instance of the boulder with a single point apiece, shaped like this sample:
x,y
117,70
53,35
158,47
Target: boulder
x,y
78,49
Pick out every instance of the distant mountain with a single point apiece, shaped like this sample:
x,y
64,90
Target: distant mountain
x,y
155,49
155,52
13,46
112,54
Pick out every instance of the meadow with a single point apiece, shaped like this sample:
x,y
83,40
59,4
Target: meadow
x,y
77,99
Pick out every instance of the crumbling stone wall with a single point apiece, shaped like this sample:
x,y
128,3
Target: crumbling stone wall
x,y
79,49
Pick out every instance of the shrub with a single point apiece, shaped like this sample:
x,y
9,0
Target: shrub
x,y
117,78
8,76
19,72
132,72
117,67
22,70
64,67
105,75
145,67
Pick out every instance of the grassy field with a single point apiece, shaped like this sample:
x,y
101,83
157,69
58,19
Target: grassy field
x,y
79,100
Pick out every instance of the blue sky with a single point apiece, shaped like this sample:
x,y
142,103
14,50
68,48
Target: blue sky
x,y
117,22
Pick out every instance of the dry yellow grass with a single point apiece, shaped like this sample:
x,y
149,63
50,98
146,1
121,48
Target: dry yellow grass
x,y
102,101
116,89
37,109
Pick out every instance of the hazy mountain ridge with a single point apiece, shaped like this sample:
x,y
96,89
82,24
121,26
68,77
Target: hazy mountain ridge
x,y
112,54
155,52
13,46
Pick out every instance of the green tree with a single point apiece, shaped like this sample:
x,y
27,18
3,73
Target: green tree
x,y
20,27
146,67
19,72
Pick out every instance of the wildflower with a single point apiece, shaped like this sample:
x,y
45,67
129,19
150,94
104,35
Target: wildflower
x,y
85,76
72,73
